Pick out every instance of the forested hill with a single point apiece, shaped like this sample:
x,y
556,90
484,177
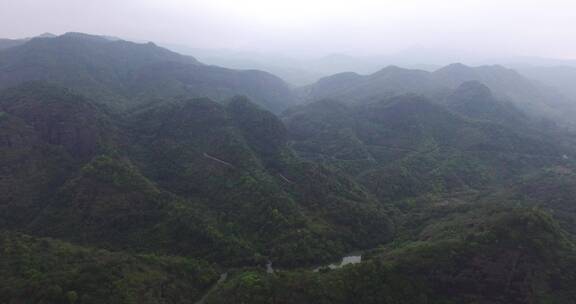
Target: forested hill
x,y
132,174
192,177
124,75
530,97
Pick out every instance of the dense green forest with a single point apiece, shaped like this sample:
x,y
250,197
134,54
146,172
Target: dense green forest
x,y
132,174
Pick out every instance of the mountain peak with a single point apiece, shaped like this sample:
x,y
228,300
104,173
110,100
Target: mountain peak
x,y
393,70
455,68
77,35
457,65
390,68
46,35
474,87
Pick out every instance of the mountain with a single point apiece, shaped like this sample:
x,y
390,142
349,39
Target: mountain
x,y
484,202
125,75
351,87
304,69
8,43
475,100
132,174
46,133
294,71
407,145
455,245
193,177
532,98
236,159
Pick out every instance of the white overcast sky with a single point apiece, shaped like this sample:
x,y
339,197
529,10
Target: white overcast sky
x,y
522,27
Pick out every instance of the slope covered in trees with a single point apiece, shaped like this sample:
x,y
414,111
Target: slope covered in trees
x,y
406,146
193,177
38,270
492,255
138,175
530,97
124,74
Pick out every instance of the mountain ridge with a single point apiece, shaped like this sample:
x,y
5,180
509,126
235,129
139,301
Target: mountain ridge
x,y
124,74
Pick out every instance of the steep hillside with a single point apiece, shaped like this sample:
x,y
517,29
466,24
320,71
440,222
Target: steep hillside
x,y
132,174
236,159
123,74
407,145
390,81
55,181
35,270
476,256
531,98
474,100
46,133
193,177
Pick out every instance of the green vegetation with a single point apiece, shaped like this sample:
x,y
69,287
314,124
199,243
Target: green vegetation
x,y
125,75
193,178
37,270
150,181
406,146
251,181
489,255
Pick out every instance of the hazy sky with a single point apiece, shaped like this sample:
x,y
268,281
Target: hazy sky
x,y
523,27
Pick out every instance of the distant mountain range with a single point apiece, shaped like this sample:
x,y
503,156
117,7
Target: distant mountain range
x,y
303,70
8,43
531,97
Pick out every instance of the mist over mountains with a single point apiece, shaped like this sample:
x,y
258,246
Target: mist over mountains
x,y
298,70
131,173
304,69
